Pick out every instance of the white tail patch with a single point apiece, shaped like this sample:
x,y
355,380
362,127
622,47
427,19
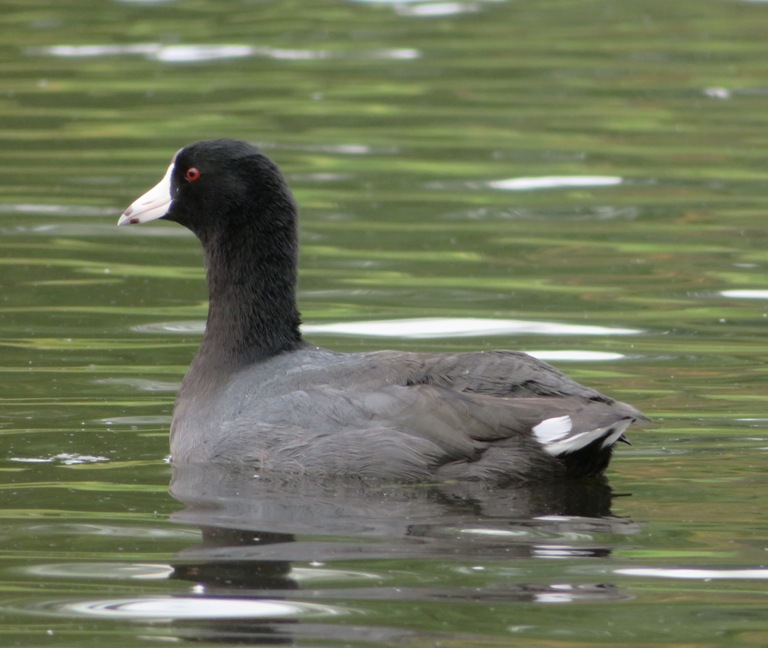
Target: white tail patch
x,y
553,429
618,430
554,436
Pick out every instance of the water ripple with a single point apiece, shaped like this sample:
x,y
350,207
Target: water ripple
x,y
183,607
420,328
696,574
745,294
437,327
554,182
430,8
437,9
58,210
141,384
160,419
197,53
65,458
102,570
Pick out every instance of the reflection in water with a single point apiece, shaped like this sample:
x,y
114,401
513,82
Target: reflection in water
x,y
64,458
697,574
554,182
429,8
197,53
187,607
420,328
745,294
101,570
255,530
439,327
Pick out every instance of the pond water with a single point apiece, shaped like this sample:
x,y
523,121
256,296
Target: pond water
x,y
584,180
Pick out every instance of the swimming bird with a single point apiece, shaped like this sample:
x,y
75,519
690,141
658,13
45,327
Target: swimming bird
x,y
257,394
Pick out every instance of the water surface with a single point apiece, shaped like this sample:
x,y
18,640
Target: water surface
x,y
581,180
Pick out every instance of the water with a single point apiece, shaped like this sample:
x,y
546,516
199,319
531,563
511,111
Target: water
x,y
581,180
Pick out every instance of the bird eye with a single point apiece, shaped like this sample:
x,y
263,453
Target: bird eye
x,y
192,174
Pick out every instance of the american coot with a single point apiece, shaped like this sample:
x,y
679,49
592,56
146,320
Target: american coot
x,y
256,393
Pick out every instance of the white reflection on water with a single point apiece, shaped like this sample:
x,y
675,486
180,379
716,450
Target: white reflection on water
x,y
421,327
699,574
745,294
141,384
554,182
436,327
575,355
65,458
430,10
314,575
190,608
102,570
196,53
140,420
717,93
59,210
113,531
193,326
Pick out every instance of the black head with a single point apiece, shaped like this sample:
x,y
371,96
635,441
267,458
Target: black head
x,y
236,201
218,186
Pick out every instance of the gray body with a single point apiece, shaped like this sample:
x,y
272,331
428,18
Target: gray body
x,y
258,395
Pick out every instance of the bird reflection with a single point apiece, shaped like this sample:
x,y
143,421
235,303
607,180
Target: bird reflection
x,y
269,540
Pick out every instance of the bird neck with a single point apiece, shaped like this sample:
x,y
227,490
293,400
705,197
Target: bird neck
x,y
252,311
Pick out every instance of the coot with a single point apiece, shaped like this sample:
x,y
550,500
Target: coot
x,y
257,394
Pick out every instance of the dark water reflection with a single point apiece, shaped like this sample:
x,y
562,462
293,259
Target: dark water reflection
x,y
255,533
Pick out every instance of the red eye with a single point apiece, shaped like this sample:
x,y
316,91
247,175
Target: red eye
x,y
192,174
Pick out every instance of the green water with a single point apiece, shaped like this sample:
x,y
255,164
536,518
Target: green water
x,y
580,163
